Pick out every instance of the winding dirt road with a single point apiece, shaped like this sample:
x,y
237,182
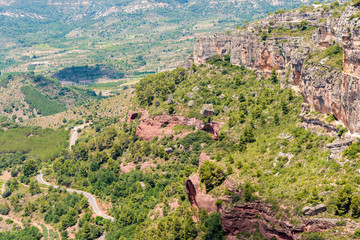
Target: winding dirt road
x,y
74,134
90,197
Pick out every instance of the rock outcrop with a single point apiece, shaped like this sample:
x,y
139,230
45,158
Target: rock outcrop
x,y
312,211
258,216
319,126
327,90
197,196
337,148
162,125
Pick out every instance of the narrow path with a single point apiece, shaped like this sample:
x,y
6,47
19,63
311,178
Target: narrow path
x,y
90,197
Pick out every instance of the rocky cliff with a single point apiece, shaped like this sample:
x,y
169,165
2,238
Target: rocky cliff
x,y
291,43
258,216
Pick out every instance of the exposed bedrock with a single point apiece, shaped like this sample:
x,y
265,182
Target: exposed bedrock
x,y
162,125
258,216
329,91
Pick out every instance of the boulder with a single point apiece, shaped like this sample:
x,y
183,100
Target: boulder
x,y
170,99
190,95
168,150
311,211
207,110
191,103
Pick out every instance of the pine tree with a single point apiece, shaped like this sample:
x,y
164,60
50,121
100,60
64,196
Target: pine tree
x,y
273,76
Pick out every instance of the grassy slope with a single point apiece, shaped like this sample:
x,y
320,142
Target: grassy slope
x,y
36,142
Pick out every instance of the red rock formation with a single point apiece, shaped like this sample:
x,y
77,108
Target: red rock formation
x,y
163,125
197,196
203,157
250,216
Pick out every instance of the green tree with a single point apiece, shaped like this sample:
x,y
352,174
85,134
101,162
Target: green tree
x,y
214,227
30,167
273,76
343,200
248,135
355,206
34,188
190,231
284,108
211,174
171,110
276,119
86,231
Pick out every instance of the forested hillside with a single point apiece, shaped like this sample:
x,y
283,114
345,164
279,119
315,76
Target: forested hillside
x,y
219,149
260,155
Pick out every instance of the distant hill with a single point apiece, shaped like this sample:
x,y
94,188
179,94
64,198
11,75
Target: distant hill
x,y
28,96
49,35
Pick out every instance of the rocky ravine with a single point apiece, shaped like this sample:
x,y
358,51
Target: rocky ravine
x,y
328,91
250,217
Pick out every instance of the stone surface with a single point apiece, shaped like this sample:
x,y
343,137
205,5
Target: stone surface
x,y
246,218
169,150
207,110
312,211
191,103
319,126
198,197
170,99
338,147
162,125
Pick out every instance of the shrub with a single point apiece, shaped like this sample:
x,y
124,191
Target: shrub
x,y
314,236
6,193
330,118
341,223
248,192
9,221
219,202
4,209
343,200
352,152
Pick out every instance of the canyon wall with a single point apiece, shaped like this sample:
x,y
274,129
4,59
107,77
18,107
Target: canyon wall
x,y
328,90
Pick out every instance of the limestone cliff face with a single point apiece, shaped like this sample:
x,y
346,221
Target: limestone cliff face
x,y
327,90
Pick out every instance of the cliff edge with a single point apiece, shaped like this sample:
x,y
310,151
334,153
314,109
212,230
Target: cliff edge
x,y
315,50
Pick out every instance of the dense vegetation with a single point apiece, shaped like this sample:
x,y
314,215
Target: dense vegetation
x,y
30,233
43,105
86,74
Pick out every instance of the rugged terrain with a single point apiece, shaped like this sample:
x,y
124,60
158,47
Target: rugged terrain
x,y
268,44
247,142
